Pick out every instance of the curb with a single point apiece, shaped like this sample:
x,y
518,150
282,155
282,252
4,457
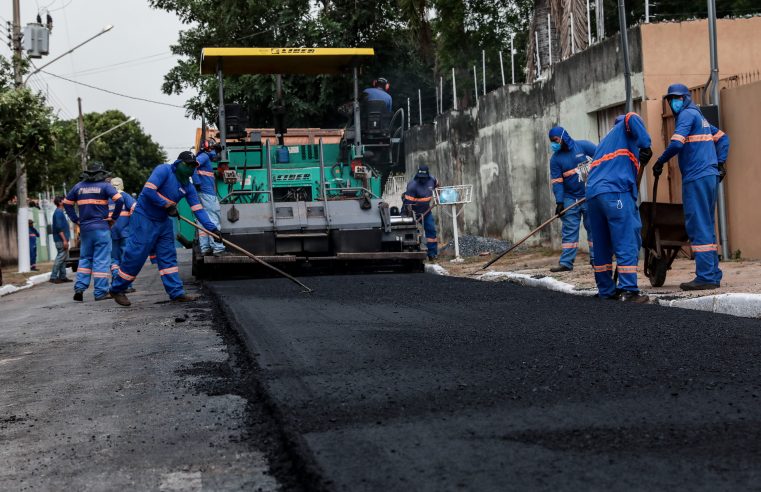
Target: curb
x,y
733,304
30,282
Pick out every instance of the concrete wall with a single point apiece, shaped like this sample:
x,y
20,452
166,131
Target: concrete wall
x,y
501,147
741,107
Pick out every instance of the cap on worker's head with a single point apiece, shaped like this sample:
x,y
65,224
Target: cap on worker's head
x,y
557,131
31,222
95,171
422,170
677,90
187,157
117,183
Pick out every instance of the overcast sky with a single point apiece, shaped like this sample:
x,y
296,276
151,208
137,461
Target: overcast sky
x,y
131,59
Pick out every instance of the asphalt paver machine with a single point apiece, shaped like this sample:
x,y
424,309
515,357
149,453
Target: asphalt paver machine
x,y
303,198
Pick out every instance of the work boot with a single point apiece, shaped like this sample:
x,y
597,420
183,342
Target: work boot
x,y
698,285
206,252
224,252
185,298
120,298
65,280
130,290
105,296
616,296
635,297
560,268
78,296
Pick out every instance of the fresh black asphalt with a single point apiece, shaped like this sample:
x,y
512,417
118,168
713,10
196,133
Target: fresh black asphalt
x,y
422,382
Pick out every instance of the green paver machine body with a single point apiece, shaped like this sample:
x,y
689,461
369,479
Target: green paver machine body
x,y
300,197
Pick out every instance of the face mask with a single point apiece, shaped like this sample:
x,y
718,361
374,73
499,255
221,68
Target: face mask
x,y
676,105
555,146
183,172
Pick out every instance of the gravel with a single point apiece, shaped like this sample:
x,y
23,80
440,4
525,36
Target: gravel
x,y
475,245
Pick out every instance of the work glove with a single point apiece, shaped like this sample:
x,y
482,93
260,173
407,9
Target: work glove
x,y
559,207
171,211
645,155
658,168
216,236
722,171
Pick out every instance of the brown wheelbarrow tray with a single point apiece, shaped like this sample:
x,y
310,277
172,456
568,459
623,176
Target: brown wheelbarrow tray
x,y
663,236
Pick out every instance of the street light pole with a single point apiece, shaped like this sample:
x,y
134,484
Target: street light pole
x,y
22,207
87,146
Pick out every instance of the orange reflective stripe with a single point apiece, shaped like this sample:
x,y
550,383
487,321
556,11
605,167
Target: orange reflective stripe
x,y
627,268
604,268
167,271
412,198
704,248
569,245
151,186
206,173
92,202
116,197
114,267
85,271
613,155
700,138
678,138
101,275
132,208
432,240
570,172
152,257
196,208
125,214
626,120
165,198
125,276
67,201
557,180
717,136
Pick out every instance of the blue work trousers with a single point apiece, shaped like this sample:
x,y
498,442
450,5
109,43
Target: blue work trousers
x,y
117,250
615,224
699,199
147,236
571,222
431,241
33,251
94,256
59,264
211,205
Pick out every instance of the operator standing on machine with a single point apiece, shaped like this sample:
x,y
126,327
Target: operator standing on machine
x,y
206,184
702,150
568,188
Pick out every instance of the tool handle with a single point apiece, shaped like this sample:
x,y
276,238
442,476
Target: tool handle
x,y
544,224
250,255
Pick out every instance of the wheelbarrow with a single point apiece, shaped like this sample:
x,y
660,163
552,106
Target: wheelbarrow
x,y
663,236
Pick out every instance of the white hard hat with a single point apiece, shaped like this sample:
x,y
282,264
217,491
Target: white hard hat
x,y
117,183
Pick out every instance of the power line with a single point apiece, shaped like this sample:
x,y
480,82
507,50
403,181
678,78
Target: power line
x,y
112,92
132,63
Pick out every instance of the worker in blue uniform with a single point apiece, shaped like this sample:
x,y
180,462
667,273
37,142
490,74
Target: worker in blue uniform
x,y
33,235
379,92
419,197
702,150
568,187
91,197
206,185
120,230
612,204
152,230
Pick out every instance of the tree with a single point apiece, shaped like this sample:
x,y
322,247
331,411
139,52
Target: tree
x,y
128,152
26,125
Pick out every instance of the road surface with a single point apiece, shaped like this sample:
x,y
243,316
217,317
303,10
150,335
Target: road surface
x,y
422,382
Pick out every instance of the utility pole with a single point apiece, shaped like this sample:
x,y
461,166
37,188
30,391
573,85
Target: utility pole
x,y
625,50
22,227
81,126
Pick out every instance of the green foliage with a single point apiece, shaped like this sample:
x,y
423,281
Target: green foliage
x,y
26,125
127,152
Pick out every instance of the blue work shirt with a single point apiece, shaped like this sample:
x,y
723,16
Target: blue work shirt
x,y
60,224
91,197
563,166
163,189
375,94
120,228
419,194
204,173
615,165
700,145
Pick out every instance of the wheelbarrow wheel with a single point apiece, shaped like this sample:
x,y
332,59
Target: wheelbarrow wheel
x,y
658,270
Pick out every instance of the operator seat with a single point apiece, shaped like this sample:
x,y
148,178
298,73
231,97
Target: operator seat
x,y
375,121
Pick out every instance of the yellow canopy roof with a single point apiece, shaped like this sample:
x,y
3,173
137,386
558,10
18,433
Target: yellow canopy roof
x,y
310,61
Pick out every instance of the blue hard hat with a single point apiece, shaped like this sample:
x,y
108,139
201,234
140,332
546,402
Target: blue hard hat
x,y
422,170
677,90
